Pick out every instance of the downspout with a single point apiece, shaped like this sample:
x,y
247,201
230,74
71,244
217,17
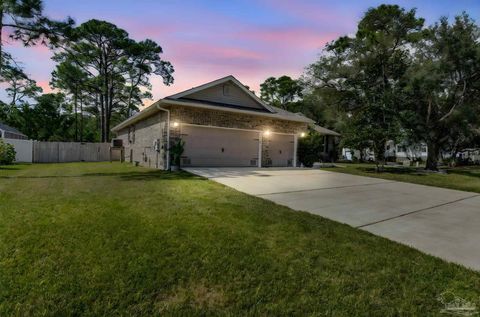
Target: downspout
x,y
168,134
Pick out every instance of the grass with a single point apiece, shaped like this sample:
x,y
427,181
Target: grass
x,y
460,178
109,239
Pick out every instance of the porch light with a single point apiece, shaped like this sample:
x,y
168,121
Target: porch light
x,y
266,133
175,124
302,135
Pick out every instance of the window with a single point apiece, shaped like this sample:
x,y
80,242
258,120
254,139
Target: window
x,y
401,148
131,134
226,90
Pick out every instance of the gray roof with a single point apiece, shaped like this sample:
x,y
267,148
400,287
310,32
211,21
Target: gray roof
x,y
324,131
10,129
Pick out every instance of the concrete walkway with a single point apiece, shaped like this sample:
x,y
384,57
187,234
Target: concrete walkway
x,y
441,222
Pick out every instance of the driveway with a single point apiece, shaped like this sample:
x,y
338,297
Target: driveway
x,y
441,222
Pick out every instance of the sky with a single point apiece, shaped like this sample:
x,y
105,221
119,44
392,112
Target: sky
x,y
207,40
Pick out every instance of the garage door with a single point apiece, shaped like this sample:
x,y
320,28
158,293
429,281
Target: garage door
x,y
280,150
219,147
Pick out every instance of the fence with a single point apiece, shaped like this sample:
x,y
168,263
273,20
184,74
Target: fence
x,y
23,149
60,152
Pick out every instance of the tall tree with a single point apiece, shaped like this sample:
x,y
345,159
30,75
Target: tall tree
x,y
73,81
48,119
444,85
117,67
19,89
24,21
365,74
280,92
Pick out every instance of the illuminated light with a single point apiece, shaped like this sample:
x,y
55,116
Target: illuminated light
x,y
266,133
302,135
175,124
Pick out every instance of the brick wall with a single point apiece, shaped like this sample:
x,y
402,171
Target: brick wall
x,y
234,120
140,145
143,134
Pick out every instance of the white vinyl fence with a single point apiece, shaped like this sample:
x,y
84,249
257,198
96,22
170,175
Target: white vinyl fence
x,y
23,149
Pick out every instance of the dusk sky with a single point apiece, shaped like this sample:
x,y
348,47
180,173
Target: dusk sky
x,y
206,40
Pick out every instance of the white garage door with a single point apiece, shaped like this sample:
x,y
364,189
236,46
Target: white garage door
x,y
219,147
280,148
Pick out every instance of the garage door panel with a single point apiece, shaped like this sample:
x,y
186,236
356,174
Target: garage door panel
x,y
281,150
219,147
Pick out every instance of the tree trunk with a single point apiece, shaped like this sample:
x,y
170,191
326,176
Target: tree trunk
x,y
433,151
81,119
1,39
76,115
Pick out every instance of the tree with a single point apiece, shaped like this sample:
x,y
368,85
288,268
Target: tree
x,y
49,119
280,92
72,80
19,88
444,86
117,68
365,74
25,22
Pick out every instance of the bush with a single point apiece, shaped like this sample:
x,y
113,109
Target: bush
x,y
7,153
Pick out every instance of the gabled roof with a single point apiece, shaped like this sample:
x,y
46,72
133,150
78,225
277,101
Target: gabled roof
x,y
181,99
10,129
186,93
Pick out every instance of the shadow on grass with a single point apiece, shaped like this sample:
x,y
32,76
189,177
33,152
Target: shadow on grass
x,y
472,173
128,176
396,170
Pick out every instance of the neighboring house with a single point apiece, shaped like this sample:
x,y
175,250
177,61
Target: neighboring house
x,y
393,152
8,132
23,146
222,124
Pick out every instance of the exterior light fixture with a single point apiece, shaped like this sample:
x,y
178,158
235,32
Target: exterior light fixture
x,y
175,124
302,135
266,133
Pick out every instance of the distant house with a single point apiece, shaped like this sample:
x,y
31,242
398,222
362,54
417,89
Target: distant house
x,y
397,152
8,132
222,123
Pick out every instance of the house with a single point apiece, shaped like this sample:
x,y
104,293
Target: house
x,y
8,132
396,152
222,123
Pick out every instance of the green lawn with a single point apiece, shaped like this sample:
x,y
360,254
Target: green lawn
x,y
110,239
460,178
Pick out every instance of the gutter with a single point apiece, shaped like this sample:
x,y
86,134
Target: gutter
x,y
168,134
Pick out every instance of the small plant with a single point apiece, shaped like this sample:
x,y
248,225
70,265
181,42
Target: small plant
x,y
7,153
176,151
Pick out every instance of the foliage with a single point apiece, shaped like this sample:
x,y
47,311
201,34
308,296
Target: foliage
x,y
7,153
25,22
444,86
310,148
176,151
48,119
280,92
116,67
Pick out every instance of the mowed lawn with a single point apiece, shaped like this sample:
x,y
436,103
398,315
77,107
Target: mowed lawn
x,y
111,239
460,178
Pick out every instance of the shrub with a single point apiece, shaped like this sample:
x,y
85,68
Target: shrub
x,y
7,153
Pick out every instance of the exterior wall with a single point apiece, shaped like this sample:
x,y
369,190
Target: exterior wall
x,y
139,143
226,119
145,141
227,93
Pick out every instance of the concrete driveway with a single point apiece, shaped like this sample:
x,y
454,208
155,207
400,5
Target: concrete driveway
x,y
441,222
